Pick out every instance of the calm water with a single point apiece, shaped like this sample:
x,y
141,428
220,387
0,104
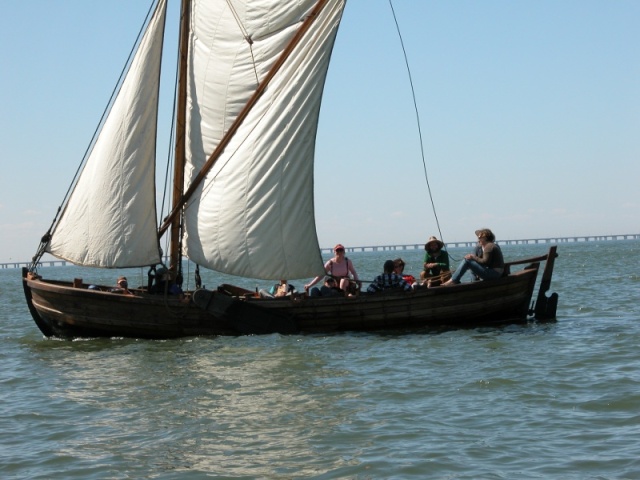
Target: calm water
x,y
558,400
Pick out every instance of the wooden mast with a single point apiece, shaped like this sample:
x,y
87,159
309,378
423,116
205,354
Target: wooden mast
x,y
180,148
177,206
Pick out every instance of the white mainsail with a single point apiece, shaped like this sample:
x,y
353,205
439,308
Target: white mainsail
x,y
110,218
253,215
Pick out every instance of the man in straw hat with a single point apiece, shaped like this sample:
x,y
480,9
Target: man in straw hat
x,y
436,261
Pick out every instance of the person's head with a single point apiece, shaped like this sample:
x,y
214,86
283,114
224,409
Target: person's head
x,y
485,235
433,245
398,266
388,266
283,282
330,282
162,274
338,249
122,282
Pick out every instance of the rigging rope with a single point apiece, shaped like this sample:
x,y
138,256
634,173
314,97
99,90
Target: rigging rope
x,y
415,106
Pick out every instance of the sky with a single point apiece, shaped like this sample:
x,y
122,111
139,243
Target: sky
x,y
529,114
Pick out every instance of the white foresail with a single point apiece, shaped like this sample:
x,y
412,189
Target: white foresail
x,y
253,216
110,218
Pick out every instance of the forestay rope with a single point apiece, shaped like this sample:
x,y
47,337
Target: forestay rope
x,y
415,106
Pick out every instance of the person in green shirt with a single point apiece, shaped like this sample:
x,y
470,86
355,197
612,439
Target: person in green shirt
x,y
436,261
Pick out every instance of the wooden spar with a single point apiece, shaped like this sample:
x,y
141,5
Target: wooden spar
x,y
522,261
180,156
171,219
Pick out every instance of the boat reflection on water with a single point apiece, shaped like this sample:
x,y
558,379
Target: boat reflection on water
x,y
232,409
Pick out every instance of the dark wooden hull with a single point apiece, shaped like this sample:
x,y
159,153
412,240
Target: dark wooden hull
x,y
472,304
60,309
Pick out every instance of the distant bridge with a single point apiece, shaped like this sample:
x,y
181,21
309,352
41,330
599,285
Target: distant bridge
x,y
407,246
471,244
41,263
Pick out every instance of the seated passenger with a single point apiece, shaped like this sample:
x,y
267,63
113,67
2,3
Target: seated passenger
x,y
489,266
281,289
340,268
329,289
388,280
399,270
436,262
122,286
163,284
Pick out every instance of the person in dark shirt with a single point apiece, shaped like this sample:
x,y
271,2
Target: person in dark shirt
x,y
329,289
388,280
164,285
487,267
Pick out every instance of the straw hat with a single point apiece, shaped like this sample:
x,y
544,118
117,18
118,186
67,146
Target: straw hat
x,y
433,240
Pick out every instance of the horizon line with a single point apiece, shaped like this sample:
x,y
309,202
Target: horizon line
x,y
416,246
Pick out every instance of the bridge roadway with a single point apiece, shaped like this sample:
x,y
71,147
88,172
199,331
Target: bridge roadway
x,y
409,246
471,244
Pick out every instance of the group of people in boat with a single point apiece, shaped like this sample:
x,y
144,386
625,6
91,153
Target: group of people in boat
x,y
341,278
160,283
486,263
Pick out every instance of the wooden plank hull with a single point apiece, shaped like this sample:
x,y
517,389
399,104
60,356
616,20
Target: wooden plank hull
x,y
478,303
60,309
66,311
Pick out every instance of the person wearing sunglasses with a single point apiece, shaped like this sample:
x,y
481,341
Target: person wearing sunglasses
x,y
388,280
122,286
342,269
489,266
398,269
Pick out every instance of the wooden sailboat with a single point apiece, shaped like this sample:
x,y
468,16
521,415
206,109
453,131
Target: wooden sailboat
x,y
251,80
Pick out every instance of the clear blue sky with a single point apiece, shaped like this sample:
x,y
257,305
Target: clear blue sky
x,y
530,115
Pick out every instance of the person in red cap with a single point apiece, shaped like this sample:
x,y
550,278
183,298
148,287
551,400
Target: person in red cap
x,y
340,268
